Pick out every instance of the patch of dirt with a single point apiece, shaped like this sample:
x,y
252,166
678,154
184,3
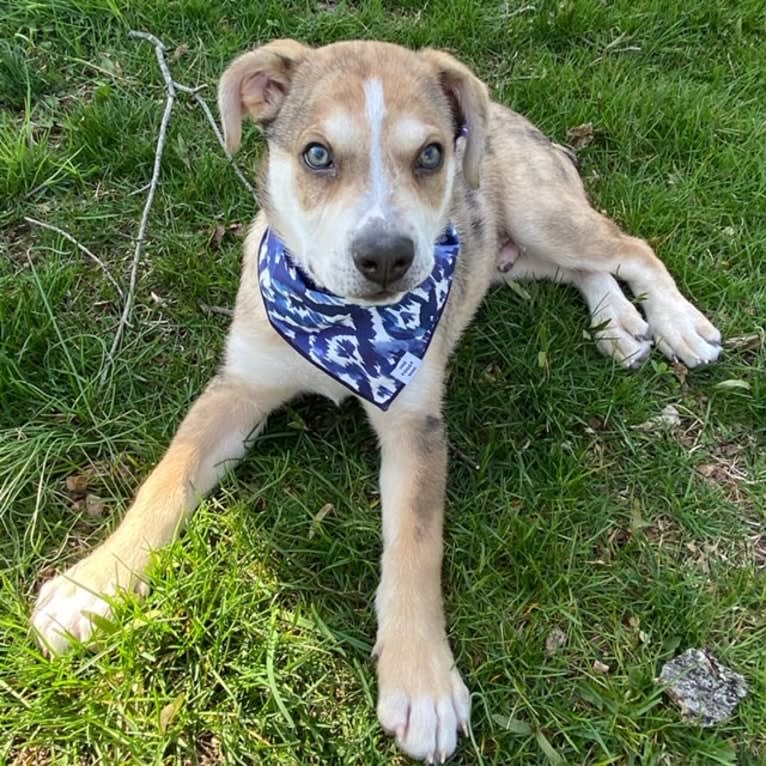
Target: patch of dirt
x,y
208,753
743,552
555,640
579,136
723,467
665,534
31,756
18,243
724,462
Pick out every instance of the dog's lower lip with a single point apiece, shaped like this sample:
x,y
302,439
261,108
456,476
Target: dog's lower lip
x,y
381,295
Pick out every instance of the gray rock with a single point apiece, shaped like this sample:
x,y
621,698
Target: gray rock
x,y
706,691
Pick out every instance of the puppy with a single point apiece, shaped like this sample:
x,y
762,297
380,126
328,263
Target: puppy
x,y
393,195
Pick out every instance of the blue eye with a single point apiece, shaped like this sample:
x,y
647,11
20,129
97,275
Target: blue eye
x,y
430,157
317,157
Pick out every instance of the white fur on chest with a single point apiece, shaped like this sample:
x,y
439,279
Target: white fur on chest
x,y
271,362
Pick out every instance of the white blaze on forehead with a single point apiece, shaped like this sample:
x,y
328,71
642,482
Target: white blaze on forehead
x,y
341,129
375,112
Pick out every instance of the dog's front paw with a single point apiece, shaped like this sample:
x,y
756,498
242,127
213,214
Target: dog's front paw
x,y
621,332
422,699
682,332
66,602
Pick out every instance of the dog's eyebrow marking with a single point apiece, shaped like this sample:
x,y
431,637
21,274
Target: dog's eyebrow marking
x,y
410,132
341,128
375,111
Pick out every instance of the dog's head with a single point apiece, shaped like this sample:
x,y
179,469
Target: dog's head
x,y
362,154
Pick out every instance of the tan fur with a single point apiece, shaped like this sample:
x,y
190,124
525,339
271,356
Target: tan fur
x,y
518,204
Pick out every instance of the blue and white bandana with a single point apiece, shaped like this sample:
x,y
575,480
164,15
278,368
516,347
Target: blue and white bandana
x,y
372,350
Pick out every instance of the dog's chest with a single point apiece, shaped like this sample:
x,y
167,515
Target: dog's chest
x,y
265,359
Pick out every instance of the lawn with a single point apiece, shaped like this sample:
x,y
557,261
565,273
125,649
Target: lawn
x,y
570,510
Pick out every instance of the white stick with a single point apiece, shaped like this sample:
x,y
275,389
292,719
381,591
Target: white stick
x,y
159,50
172,89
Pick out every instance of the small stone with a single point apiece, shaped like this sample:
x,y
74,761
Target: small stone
x,y
600,667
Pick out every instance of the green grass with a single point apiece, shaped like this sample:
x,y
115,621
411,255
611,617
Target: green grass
x,y
255,640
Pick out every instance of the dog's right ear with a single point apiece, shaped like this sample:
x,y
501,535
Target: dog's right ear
x,y
258,82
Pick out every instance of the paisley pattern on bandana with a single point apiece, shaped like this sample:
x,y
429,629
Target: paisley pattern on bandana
x,y
372,350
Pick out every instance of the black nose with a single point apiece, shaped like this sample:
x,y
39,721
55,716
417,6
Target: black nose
x,y
382,256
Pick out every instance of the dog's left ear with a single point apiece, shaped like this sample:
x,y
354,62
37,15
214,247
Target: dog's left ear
x,y
470,102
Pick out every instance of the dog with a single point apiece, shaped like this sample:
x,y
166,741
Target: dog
x,y
393,195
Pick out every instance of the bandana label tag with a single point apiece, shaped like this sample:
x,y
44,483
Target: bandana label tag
x,y
405,370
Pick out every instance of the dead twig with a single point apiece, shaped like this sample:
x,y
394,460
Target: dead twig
x,y
67,236
194,93
222,310
172,88
470,461
159,50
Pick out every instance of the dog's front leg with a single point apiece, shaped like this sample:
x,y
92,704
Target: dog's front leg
x,y
212,437
421,698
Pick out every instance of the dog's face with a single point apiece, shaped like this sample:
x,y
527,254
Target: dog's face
x,y
362,155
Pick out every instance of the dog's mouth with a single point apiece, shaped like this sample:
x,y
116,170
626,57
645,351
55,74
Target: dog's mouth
x,y
367,298
361,298
376,295
366,292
